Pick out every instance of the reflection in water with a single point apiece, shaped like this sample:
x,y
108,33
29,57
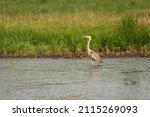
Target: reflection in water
x,y
91,79
117,78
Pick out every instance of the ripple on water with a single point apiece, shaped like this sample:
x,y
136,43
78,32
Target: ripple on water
x,y
115,78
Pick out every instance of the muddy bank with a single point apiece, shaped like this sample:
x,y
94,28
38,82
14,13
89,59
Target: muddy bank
x,y
106,54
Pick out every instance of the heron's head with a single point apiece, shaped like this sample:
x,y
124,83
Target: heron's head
x,y
87,37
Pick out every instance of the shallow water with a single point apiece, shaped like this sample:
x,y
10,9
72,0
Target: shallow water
x,y
116,78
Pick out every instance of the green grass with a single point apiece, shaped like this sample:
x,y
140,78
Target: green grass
x,y
51,27
14,7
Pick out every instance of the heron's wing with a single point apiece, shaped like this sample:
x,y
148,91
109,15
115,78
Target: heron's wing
x,y
93,55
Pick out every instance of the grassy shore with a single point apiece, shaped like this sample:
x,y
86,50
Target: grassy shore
x,y
37,28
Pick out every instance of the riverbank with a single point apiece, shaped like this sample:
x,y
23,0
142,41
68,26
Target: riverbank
x,y
109,54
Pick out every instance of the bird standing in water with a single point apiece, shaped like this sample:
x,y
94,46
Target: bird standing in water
x,y
92,54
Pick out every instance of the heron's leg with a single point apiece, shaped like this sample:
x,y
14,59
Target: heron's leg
x,y
97,62
92,62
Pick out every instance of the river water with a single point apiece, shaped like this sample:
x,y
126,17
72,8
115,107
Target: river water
x,y
45,78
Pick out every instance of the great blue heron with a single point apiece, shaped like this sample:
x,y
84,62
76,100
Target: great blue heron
x,y
92,54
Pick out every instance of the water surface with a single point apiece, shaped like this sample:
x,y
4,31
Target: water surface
x,y
116,78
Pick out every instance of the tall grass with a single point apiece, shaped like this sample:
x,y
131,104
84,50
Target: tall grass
x,y
52,36
46,27
14,7
127,35
132,34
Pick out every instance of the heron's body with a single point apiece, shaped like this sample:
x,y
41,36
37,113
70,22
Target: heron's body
x,y
92,54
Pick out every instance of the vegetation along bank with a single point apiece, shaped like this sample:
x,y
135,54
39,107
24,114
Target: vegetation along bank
x,y
48,28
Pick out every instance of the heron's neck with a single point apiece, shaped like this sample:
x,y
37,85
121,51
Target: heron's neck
x,y
88,44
